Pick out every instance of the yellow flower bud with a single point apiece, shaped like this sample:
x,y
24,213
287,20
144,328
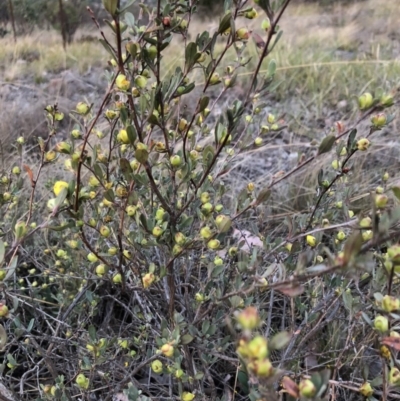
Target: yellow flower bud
x,y
307,388
336,164
381,201
215,79
117,279
207,208
365,101
123,343
341,236
112,251
82,108
50,156
186,396
393,253
127,254
218,261
180,238
213,244
363,144
92,257
381,324
105,231
232,251
20,229
243,34
199,297
367,235
3,309
261,368
387,100
101,270
82,381
394,376
251,14
175,161
123,137
148,280
257,348
223,223
157,231
312,241
182,124
385,352
258,141
140,81
366,222
63,147
111,114
265,24
379,120
390,303
157,366
167,350
249,318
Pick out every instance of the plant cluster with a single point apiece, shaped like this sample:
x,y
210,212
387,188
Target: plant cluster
x,y
140,275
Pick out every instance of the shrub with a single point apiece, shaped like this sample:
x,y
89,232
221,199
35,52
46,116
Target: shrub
x,y
29,14
142,273
66,18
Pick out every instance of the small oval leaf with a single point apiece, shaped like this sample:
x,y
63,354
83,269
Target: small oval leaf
x,y
263,196
280,340
186,339
326,144
396,191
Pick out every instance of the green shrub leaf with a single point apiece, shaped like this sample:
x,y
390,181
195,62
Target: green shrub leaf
x,y
326,144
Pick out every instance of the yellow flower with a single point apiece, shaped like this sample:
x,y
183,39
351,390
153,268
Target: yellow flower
x,y
123,137
385,352
59,186
167,350
381,201
379,120
365,101
82,381
394,376
122,83
186,396
381,324
363,144
82,108
148,280
340,235
311,240
307,388
249,318
157,366
366,389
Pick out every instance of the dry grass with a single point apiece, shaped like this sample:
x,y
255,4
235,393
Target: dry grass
x,y
322,50
325,59
41,53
